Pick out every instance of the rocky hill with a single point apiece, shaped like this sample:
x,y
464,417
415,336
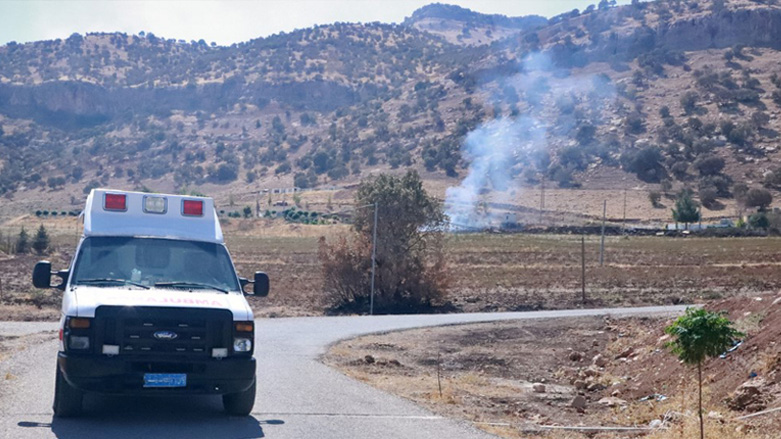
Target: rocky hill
x,y
663,95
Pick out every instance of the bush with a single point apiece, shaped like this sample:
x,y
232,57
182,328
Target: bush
x,y
758,220
759,198
679,170
411,274
689,101
708,196
709,165
646,163
655,197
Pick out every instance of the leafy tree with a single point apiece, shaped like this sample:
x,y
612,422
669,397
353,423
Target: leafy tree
x,y
41,240
689,101
686,209
247,212
759,198
709,165
759,220
654,197
646,163
410,268
697,335
22,242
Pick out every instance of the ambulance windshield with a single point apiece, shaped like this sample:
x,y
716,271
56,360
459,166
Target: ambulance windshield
x,y
152,262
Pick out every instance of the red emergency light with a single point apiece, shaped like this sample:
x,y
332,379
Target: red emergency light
x,y
115,202
192,207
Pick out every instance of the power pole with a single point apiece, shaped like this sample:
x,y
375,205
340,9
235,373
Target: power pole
x,y
583,268
374,260
602,244
542,196
623,222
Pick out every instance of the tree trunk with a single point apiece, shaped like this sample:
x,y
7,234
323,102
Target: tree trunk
x,y
699,383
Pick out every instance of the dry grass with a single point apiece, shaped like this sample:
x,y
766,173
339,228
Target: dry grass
x,y
487,370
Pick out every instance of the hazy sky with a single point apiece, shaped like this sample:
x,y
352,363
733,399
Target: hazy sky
x,y
228,21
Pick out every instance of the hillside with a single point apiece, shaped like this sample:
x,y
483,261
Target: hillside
x,y
650,97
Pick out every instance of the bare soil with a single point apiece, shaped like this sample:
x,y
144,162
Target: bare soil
x,y
487,374
488,272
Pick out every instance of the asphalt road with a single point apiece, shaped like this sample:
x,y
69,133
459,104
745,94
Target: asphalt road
x,y
298,397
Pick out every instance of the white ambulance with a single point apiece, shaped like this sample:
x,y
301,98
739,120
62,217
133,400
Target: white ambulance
x,y
152,304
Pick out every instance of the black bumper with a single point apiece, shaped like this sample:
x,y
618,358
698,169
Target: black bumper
x,y
117,375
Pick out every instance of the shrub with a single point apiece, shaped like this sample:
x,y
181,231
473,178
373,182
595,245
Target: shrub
x,y
585,134
689,101
646,163
759,220
709,165
655,197
708,196
410,268
759,198
679,170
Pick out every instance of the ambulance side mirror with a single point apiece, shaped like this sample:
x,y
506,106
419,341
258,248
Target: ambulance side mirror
x,y
42,275
262,284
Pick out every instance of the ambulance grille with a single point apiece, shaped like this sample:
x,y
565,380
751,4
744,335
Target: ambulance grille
x,y
163,332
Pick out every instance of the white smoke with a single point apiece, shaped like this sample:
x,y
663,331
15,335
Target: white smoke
x,y
493,149
496,149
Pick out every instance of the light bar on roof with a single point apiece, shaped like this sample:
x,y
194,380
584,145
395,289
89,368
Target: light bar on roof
x,y
155,204
192,207
117,202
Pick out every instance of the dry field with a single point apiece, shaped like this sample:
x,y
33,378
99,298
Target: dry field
x,y
489,272
520,379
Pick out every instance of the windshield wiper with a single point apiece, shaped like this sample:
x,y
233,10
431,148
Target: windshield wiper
x,y
189,285
111,280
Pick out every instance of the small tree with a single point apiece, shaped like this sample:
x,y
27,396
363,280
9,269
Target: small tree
x,y
697,335
759,198
759,220
247,212
41,240
654,197
686,209
410,264
22,242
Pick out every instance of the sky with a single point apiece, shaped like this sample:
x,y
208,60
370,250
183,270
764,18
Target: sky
x,y
228,21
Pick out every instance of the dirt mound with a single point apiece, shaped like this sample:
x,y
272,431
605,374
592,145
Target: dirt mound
x,y
747,377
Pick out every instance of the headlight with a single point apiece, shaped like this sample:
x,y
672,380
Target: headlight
x,y
78,342
242,345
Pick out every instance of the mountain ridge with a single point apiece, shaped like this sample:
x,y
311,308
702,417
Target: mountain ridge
x,y
332,103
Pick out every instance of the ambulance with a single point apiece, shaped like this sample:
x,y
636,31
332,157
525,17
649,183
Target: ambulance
x,y
152,305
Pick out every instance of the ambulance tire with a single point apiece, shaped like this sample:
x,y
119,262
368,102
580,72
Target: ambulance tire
x,y
67,400
239,404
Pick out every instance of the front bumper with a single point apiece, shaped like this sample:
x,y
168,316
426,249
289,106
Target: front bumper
x,y
117,375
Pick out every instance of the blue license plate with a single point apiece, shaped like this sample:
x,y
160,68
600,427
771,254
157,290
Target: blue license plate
x,y
165,380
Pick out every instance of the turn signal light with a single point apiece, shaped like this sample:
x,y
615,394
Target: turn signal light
x,y
192,208
78,323
115,202
244,326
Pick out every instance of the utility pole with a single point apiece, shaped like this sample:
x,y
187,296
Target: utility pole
x,y
542,196
374,260
602,244
583,268
623,222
